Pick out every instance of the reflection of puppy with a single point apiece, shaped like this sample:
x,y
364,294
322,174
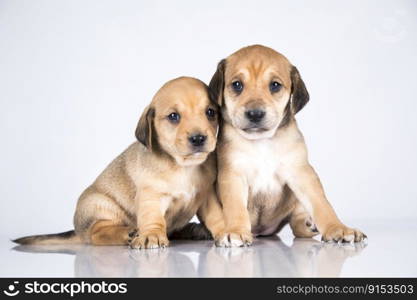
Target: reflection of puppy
x,y
304,258
264,177
331,256
110,261
157,184
273,258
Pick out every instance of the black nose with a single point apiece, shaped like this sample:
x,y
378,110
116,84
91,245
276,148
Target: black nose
x,y
197,140
255,115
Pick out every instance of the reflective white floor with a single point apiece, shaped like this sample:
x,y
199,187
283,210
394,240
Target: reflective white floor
x,y
391,251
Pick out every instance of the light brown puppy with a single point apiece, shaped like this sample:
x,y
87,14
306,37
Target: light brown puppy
x,y
160,182
265,179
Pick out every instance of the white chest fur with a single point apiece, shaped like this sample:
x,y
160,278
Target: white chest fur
x,y
259,162
182,190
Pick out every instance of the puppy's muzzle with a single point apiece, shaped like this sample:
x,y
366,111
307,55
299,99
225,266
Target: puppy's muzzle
x,y
255,115
197,141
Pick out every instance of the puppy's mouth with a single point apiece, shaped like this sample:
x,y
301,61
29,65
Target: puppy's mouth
x,y
257,132
194,158
255,129
197,153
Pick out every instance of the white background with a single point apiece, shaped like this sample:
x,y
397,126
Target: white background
x,y
76,75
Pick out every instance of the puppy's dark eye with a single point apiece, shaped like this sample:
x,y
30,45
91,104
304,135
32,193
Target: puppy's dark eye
x,y
210,113
237,86
174,117
274,86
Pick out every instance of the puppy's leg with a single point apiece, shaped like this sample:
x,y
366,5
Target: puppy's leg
x,y
307,187
99,220
108,233
211,214
301,222
152,232
233,193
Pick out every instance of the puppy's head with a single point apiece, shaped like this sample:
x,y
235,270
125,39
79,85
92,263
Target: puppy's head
x,y
258,91
181,121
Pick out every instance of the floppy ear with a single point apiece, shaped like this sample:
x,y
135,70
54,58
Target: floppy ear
x,y
299,91
216,85
145,127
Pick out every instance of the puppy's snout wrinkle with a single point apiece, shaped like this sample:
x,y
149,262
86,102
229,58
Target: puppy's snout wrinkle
x,y
197,140
255,115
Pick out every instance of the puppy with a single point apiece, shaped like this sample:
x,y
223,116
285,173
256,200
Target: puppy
x,y
264,177
158,183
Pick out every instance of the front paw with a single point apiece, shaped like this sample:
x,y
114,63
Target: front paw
x,y
234,239
149,240
341,233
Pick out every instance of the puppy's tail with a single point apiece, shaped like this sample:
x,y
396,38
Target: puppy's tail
x,y
63,238
192,231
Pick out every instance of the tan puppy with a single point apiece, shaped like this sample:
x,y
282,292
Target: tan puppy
x,y
265,179
157,184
